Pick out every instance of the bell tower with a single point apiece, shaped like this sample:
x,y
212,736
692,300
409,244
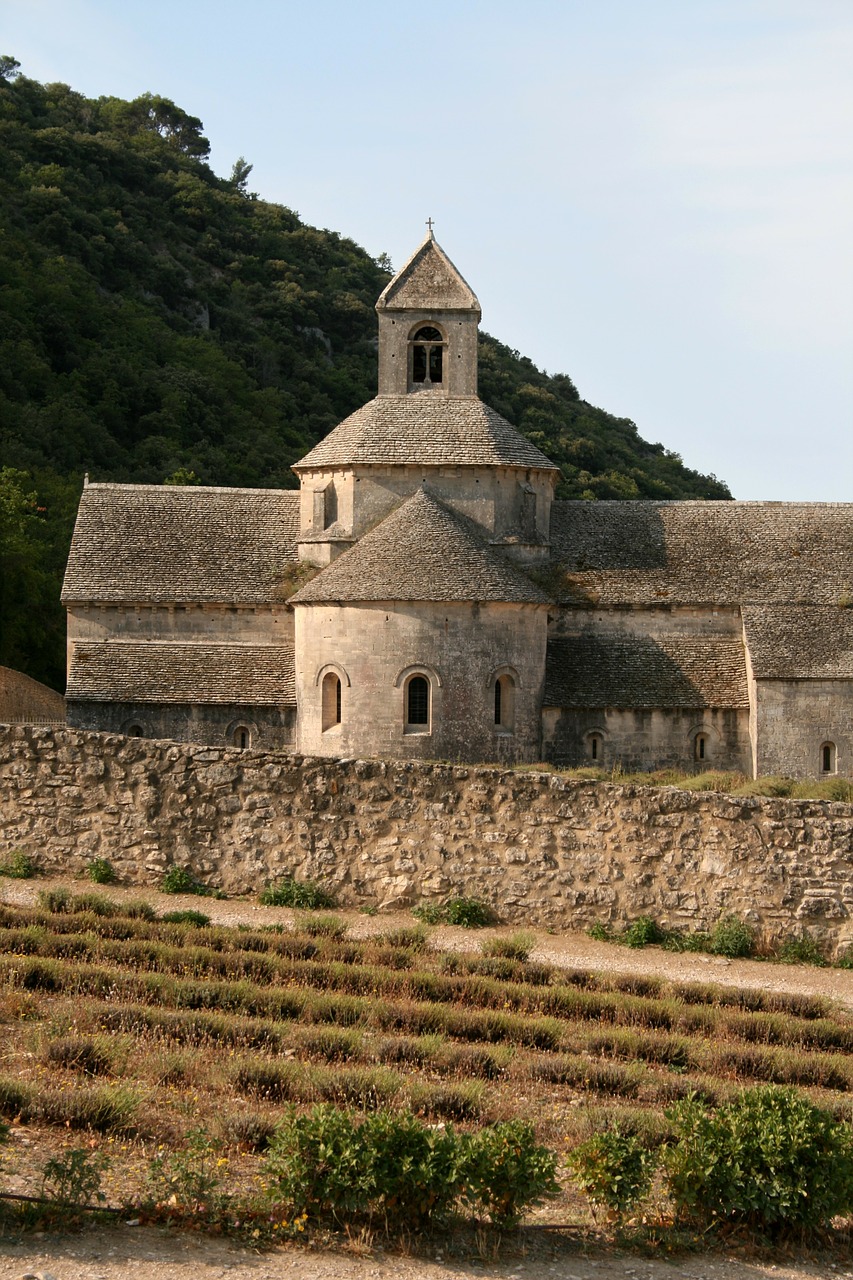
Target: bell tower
x,y
428,318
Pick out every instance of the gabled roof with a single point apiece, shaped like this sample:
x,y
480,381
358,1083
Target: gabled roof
x,y
421,551
726,553
423,429
150,544
628,669
243,674
428,282
809,642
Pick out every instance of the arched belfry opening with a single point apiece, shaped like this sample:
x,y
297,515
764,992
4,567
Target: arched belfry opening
x,y
427,347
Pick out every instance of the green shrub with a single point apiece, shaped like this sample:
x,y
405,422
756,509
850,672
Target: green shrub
x,y
430,913
323,926
55,900
247,1131
517,946
101,871
507,1172
18,866
96,903
470,913
317,1164
599,932
72,1179
414,1170
411,939
614,1169
770,1160
139,909
182,880
643,932
732,938
800,948
288,892
391,1167
104,1109
189,1178
78,1053
196,918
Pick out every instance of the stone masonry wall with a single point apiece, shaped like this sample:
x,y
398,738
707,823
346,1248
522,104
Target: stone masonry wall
x,y
542,848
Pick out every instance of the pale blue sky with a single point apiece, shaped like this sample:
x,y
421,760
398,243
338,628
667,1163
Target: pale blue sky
x,y
653,196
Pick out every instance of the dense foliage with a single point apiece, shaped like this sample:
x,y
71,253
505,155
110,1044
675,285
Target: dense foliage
x,y
158,320
770,1159
391,1166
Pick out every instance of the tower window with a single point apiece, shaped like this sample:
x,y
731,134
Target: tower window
x,y
331,701
505,703
828,758
427,357
417,703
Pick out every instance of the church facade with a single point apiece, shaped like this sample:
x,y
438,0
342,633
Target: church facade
x,y
423,595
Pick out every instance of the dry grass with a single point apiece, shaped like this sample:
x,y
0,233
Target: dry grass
x,y
122,1024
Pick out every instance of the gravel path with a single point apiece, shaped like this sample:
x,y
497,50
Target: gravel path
x,y
155,1254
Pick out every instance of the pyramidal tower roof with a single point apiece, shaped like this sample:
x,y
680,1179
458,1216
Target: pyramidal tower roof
x,y
428,281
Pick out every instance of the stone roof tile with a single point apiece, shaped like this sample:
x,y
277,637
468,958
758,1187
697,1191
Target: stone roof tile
x,y
125,671
425,429
150,544
626,669
421,551
810,642
621,553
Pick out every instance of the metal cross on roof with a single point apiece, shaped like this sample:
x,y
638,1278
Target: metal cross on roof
x,y
430,224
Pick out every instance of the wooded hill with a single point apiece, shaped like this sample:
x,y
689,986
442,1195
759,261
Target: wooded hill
x,y
155,319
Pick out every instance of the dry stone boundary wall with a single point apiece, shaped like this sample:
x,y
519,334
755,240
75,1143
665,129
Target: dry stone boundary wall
x,y
542,848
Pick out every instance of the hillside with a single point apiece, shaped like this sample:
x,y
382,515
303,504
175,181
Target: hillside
x,y
155,318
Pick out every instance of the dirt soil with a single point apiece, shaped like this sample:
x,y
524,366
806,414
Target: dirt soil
x,y
155,1253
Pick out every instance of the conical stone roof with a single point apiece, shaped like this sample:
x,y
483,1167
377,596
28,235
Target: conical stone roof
x,y
422,551
425,430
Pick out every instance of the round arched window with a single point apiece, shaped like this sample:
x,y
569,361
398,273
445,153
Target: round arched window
x,y
426,357
417,703
505,703
331,697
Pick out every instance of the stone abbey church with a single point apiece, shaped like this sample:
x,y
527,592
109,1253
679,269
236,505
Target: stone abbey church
x,y
423,595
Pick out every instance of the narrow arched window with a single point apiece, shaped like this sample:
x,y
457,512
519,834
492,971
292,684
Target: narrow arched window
x,y
331,701
417,702
505,703
427,357
700,747
134,730
828,758
242,737
595,747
